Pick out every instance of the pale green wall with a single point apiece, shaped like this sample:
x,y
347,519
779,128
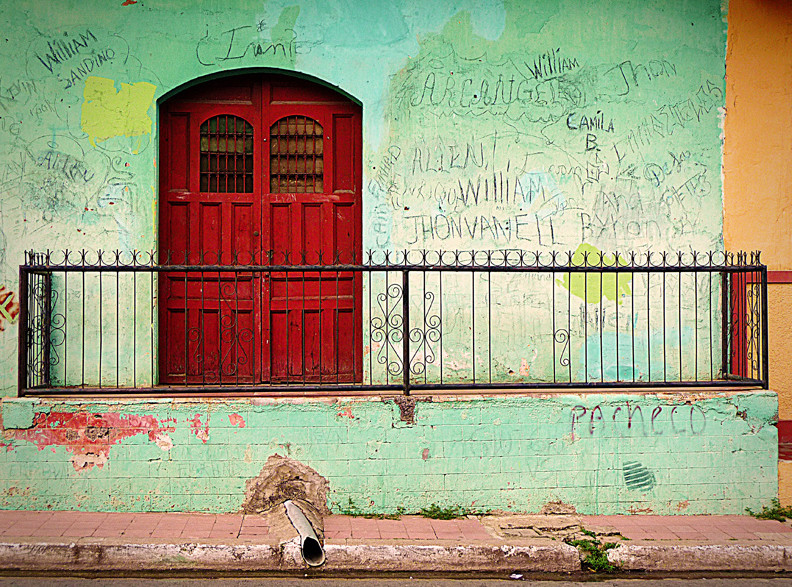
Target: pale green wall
x,y
688,453
457,96
454,100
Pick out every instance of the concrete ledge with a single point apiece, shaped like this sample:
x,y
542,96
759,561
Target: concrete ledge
x,y
702,557
555,558
137,557
84,556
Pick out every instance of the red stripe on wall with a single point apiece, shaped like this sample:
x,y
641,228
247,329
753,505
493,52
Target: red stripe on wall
x,y
779,276
784,440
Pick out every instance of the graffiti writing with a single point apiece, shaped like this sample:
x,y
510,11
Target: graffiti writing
x,y
551,63
504,229
9,307
235,44
631,75
629,418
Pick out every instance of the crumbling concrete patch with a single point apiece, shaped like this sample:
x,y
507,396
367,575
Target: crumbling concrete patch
x,y
563,528
406,405
553,508
283,478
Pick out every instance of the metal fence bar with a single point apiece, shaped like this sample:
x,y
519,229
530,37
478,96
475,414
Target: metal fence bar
x,y
438,334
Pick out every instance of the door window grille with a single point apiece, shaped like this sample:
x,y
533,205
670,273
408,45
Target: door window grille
x,y
226,155
296,150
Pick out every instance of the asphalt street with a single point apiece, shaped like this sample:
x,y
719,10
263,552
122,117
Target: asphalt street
x,y
46,581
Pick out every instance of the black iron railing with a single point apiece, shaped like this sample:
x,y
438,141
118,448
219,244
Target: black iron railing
x,y
401,322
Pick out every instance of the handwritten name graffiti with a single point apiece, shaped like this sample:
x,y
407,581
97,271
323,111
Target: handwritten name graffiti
x,y
9,307
630,75
55,175
17,92
590,122
59,51
502,188
443,83
385,175
545,101
657,174
501,229
66,165
74,56
86,66
669,118
629,419
551,63
243,41
573,152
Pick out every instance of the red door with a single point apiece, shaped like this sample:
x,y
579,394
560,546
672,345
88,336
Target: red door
x,y
260,171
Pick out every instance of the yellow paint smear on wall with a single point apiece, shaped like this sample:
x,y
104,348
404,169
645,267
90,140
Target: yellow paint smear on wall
x,y
109,113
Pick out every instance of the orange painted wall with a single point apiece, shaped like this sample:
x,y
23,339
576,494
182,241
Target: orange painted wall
x,y
757,167
757,154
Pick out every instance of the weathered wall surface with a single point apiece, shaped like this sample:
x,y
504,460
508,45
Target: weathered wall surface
x,y
496,125
638,453
758,141
493,125
757,175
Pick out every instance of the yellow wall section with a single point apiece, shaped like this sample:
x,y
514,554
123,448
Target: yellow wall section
x,y
108,113
758,145
779,309
757,181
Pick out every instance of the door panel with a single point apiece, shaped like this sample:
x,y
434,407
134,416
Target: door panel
x,y
299,204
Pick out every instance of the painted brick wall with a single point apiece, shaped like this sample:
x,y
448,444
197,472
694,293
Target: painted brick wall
x,y
617,453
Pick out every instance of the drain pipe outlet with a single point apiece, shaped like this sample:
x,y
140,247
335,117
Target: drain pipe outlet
x,y
311,549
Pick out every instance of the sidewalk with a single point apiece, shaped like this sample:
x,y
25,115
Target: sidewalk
x,y
83,541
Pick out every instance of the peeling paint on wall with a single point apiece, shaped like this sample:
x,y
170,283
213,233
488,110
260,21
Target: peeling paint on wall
x,y
89,437
109,113
235,419
201,431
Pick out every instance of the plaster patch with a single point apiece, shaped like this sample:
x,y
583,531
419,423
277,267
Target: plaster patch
x,y
18,413
109,113
283,478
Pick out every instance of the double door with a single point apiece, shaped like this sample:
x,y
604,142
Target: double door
x,y
263,172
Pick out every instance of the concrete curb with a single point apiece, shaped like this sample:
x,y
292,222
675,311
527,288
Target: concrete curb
x,y
400,556
702,557
92,556
555,558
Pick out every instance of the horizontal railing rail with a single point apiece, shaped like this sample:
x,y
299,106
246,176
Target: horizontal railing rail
x,y
409,321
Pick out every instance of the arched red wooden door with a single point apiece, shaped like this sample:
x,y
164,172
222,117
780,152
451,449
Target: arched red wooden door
x,y
262,170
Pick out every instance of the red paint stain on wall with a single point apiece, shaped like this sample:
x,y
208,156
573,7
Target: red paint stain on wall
x,y
236,420
9,307
346,412
201,432
127,3
88,437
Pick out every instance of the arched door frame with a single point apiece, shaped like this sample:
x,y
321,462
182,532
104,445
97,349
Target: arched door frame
x,y
252,328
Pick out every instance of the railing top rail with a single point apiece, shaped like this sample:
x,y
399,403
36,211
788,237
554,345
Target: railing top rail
x,y
503,260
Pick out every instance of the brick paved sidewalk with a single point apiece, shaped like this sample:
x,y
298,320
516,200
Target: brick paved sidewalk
x,y
181,527
154,542
698,528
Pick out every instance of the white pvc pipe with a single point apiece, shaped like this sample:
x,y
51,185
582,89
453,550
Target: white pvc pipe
x,y
310,548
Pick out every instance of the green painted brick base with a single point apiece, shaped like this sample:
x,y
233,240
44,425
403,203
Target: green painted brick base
x,y
618,453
